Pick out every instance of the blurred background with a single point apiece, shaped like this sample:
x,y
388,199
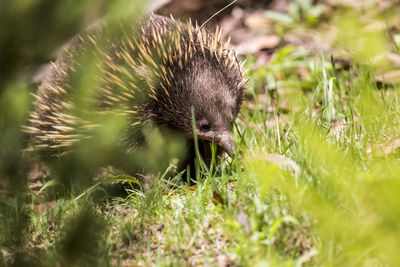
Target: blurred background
x,y
318,178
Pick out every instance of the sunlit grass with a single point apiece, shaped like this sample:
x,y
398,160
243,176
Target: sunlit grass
x,y
336,206
332,200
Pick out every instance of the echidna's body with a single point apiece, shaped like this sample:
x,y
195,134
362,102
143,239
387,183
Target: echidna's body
x,y
151,77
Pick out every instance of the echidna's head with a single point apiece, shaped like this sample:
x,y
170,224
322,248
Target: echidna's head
x,y
214,92
191,70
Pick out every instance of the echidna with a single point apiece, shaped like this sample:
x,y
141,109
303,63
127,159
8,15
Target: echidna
x,y
154,76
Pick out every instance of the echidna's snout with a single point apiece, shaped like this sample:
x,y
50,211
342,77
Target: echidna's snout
x,y
225,141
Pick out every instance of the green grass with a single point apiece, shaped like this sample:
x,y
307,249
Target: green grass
x,y
335,204
332,200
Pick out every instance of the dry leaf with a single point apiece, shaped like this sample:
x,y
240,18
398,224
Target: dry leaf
x,y
384,149
257,22
253,44
394,58
390,77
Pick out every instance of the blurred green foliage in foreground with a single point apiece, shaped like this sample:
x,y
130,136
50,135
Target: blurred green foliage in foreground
x,y
332,202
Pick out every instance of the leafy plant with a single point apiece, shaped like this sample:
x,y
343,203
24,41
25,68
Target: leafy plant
x,y
298,11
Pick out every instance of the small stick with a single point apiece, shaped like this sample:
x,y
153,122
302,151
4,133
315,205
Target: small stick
x,y
217,13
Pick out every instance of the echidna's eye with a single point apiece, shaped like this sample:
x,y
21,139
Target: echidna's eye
x,y
204,126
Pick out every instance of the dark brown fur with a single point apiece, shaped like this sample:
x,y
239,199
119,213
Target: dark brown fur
x,y
156,76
